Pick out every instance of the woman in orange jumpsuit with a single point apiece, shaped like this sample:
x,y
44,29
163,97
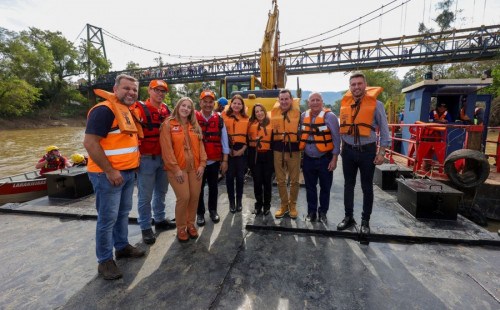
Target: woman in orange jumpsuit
x,y
185,159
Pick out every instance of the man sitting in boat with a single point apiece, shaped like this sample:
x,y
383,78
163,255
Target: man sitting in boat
x,y
78,160
52,161
440,114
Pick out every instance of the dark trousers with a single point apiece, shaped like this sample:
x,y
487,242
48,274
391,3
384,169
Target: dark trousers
x,y
237,167
315,169
262,173
352,161
210,176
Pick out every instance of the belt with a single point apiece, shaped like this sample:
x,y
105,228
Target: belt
x,y
369,147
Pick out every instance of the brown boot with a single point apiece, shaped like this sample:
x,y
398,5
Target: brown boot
x,y
182,235
293,211
109,270
283,210
129,251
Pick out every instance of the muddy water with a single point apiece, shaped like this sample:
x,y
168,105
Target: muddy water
x,y
20,150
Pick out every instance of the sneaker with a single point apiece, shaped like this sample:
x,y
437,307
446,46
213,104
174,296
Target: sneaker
x,y
129,252
109,270
200,220
164,225
311,217
323,218
148,236
347,222
365,227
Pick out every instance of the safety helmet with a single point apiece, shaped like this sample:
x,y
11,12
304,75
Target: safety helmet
x,y
222,101
51,148
77,158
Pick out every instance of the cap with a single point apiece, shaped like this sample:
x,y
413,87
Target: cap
x,y
158,83
222,101
207,93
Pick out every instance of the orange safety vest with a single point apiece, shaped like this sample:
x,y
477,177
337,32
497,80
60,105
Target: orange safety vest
x,y
322,136
151,118
285,125
121,149
357,120
463,115
260,137
179,142
236,128
437,117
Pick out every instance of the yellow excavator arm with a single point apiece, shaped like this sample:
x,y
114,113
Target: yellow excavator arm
x,y
269,51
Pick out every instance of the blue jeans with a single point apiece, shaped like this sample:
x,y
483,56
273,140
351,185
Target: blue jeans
x,y
315,169
352,161
113,204
152,185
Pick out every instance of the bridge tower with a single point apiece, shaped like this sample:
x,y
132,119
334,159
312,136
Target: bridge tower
x,y
95,39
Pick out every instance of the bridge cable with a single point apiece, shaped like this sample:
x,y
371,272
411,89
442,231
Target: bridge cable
x,y
339,27
79,34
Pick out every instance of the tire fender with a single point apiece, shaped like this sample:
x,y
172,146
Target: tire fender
x,y
476,168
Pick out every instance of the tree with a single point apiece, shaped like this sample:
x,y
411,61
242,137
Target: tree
x,y
132,66
17,97
444,19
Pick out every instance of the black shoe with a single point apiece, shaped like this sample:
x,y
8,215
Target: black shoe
x,y
239,206
311,217
164,225
257,211
200,220
214,216
347,222
129,251
323,218
266,212
148,236
232,207
109,270
365,227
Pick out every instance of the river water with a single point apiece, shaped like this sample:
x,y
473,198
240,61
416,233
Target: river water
x,y
20,150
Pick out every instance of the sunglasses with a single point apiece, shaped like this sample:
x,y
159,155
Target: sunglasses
x,y
159,91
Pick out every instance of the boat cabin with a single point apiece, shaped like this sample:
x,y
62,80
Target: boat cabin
x,y
421,98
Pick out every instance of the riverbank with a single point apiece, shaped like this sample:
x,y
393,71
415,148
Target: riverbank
x,y
38,122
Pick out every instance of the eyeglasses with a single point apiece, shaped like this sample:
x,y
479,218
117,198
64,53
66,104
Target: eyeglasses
x,y
159,91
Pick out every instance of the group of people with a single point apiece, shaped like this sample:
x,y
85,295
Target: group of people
x,y
188,149
53,160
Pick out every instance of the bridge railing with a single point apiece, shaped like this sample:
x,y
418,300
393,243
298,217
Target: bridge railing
x,y
448,46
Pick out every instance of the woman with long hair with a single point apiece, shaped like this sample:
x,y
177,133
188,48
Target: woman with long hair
x,y
260,157
236,121
185,159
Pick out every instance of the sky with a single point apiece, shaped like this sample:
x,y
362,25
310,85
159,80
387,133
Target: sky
x,y
227,27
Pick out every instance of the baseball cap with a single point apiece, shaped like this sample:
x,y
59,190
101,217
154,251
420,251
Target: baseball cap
x,y
158,83
222,101
207,93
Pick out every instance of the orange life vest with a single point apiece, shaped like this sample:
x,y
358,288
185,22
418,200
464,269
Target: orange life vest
x,y
437,117
179,143
151,119
121,149
260,137
211,130
285,125
236,128
357,120
322,136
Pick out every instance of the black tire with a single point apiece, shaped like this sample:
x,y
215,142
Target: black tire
x,y
476,171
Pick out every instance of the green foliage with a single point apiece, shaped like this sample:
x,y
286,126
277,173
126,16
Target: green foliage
x,y
17,97
386,79
132,66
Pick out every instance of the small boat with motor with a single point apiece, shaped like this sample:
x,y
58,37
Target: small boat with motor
x,y
22,187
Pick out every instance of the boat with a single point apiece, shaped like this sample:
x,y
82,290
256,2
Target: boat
x,y
22,187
